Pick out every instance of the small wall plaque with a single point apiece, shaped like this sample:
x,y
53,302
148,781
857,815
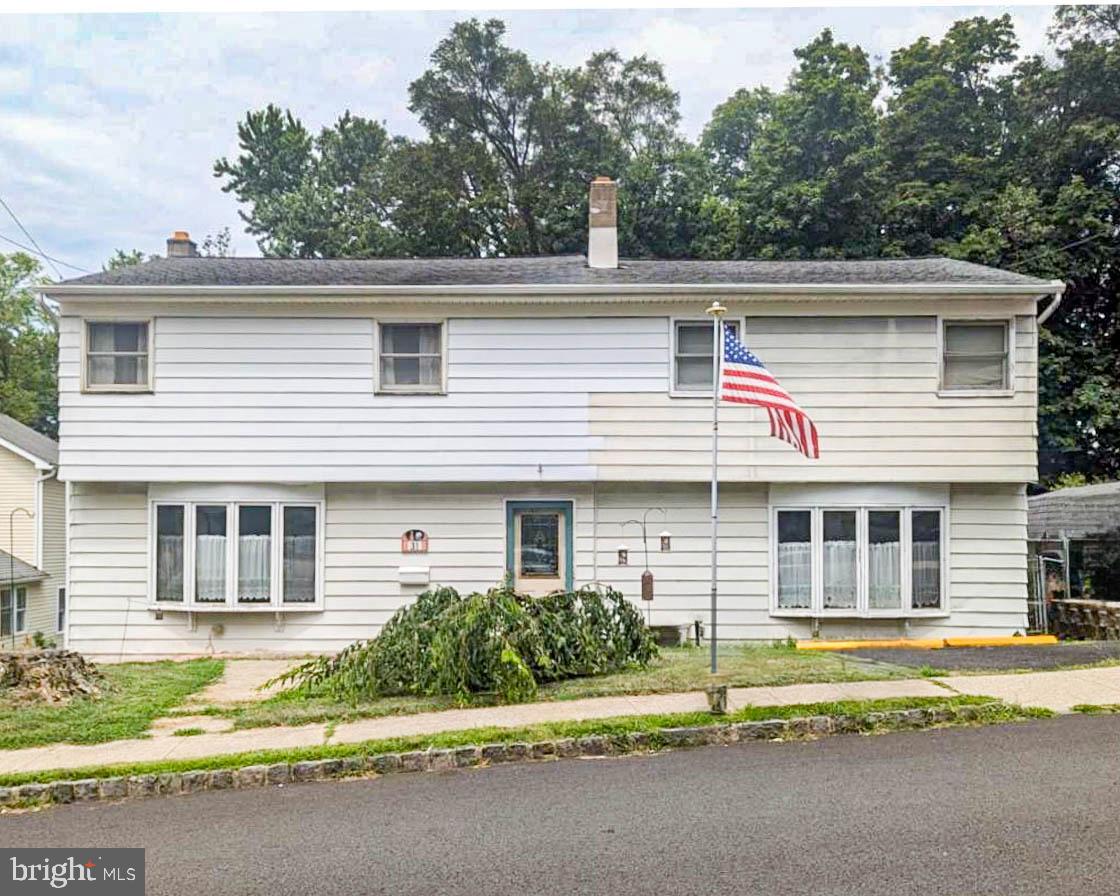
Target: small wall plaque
x,y
414,541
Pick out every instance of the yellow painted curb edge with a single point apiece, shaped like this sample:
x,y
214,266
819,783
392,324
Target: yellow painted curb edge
x,y
930,643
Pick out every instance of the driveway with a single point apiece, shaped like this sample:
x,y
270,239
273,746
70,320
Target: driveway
x,y
1018,809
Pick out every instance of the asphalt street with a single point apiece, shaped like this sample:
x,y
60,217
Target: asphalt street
x,y
1029,808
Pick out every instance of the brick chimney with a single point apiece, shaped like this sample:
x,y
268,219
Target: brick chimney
x,y
180,245
602,218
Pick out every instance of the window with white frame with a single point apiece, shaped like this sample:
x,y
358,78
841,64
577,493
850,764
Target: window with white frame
x,y
225,554
692,355
976,356
117,356
410,357
858,561
13,613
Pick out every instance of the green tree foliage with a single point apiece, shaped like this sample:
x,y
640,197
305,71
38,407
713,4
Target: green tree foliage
x,y
28,347
500,642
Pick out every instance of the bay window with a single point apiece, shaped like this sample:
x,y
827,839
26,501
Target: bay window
x,y
858,561
226,556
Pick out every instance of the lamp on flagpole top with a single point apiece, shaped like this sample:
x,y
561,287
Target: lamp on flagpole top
x,y
716,310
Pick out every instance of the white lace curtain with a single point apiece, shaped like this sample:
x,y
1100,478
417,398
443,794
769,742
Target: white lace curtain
x,y
169,567
839,580
927,574
210,568
795,559
884,575
254,568
299,568
839,574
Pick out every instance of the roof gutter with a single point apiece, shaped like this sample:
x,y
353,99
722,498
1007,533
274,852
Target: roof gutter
x,y
667,291
1053,306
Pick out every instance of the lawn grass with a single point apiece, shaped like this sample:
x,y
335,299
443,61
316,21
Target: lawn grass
x,y
135,694
618,725
676,669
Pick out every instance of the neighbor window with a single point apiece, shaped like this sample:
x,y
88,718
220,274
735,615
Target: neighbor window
x,y
976,356
692,355
61,609
859,561
411,357
13,614
117,355
225,555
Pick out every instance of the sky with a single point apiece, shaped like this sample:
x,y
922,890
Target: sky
x,y
110,124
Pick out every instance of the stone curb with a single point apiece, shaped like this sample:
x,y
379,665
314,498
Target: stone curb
x,y
438,759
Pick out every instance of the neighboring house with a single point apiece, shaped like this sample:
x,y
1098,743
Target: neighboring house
x,y
275,454
32,535
1074,525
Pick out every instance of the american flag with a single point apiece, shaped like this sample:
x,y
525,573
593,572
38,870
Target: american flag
x,y
744,379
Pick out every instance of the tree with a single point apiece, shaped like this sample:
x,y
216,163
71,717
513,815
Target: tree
x,y
812,174
312,196
28,347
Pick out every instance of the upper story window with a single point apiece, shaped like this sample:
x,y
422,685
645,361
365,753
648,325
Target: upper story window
x,y
692,356
410,357
976,356
118,358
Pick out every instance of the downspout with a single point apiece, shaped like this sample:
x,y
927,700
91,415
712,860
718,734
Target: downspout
x,y
39,523
1052,307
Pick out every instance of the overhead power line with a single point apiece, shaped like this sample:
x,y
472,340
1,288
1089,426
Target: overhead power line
x,y
27,233
43,254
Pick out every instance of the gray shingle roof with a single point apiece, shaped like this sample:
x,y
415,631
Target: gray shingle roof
x,y
1080,512
553,270
24,437
12,568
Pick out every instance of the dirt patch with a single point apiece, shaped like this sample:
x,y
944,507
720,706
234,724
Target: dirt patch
x,y
1036,656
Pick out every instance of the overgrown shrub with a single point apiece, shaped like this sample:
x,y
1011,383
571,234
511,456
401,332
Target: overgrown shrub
x,y
499,642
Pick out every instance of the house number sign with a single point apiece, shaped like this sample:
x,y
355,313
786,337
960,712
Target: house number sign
x,y
414,541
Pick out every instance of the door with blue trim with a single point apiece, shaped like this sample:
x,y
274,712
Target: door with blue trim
x,y
539,540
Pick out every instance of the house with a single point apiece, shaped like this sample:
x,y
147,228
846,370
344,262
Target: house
x,y
32,535
1072,527
273,455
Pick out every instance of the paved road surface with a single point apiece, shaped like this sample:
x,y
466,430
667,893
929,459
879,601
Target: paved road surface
x,y
1017,809
1033,656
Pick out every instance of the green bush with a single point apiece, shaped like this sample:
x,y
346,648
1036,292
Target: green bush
x,y
500,642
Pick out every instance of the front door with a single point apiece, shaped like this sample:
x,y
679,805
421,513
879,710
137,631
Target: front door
x,y
539,545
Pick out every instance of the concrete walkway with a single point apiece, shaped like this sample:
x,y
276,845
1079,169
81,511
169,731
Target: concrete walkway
x,y
1054,690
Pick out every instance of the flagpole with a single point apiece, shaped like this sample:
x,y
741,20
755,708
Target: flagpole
x,y
716,311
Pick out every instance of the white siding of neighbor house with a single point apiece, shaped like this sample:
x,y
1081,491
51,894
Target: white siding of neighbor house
x,y
110,615
286,393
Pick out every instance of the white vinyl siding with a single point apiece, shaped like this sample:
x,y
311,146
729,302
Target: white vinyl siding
x,y
282,397
110,613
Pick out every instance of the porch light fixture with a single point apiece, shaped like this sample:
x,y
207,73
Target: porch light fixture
x,y
623,555
666,542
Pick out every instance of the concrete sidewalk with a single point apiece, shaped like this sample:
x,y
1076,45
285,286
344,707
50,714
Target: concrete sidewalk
x,y
1053,690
